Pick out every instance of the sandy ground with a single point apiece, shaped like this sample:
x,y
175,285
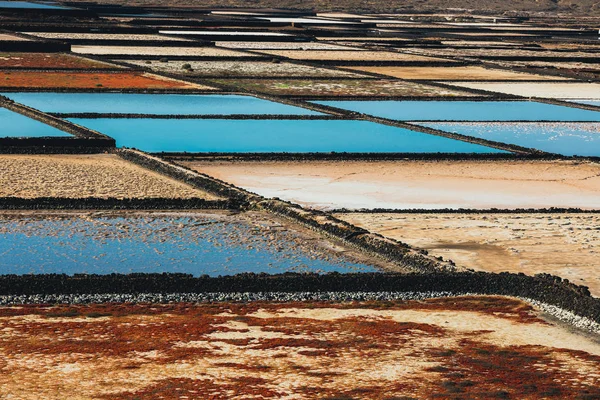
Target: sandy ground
x,y
80,176
452,73
551,90
284,46
342,87
159,51
478,53
106,36
4,36
472,347
567,245
348,55
417,184
221,69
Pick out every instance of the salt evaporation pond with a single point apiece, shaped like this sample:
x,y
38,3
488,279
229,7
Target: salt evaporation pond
x,y
466,110
588,102
264,136
566,138
16,125
160,104
26,4
195,243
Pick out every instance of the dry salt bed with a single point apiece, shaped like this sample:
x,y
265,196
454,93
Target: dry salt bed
x,y
327,185
283,46
555,90
453,73
342,87
159,51
462,347
309,21
566,245
225,33
81,176
568,139
104,36
198,243
336,55
361,39
220,69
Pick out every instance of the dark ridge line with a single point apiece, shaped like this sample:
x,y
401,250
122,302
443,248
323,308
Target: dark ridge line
x,y
55,145
544,288
198,116
551,210
516,121
573,104
98,203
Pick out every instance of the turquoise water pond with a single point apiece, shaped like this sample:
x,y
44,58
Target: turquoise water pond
x,y
294,136
466,110
17,125
212,244
26,4
161,104
566,138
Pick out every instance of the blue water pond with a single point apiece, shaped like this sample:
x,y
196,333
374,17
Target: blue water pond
x,y
466,110
27,4
295,136
566,138
213,244
160,104
17,125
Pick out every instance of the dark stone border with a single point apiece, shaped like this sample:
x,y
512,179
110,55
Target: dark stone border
x,y
545,288
96,203
199,116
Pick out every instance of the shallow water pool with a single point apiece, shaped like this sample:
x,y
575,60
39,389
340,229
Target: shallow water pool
x,y
273,136
466,110
161,104
27,4
566,138
195,243
15,125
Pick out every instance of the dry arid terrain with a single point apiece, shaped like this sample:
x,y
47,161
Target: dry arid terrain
x,y
336,55
80,176
451,73
417,184
341,87
469,347
221,69
567,245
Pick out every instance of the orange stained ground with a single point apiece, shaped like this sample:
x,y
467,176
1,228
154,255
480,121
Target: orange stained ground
x,y
85,80
471,347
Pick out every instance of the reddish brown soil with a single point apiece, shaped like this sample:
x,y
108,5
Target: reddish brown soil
x,y
84,80
370,350
50,60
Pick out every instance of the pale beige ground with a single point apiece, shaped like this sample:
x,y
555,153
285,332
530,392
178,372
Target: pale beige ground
x,y
479,53
417,184
551,90
334,55
567,245
80,176
4,36
284,46
159,51
375,350
106,36
222,69
452,73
